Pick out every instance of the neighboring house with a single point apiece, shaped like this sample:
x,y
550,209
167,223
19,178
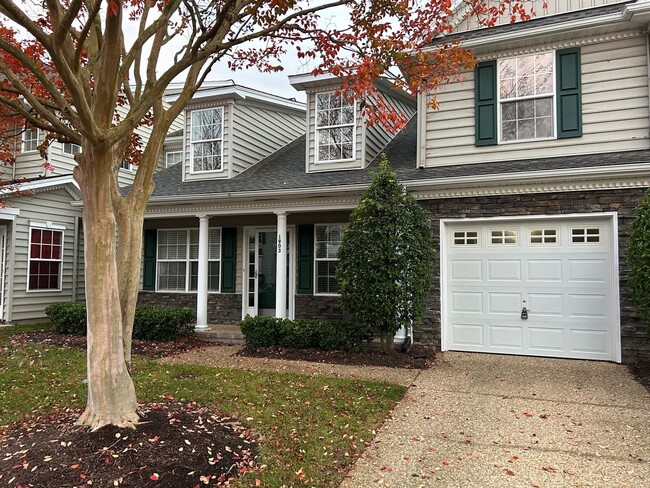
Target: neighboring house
x,y
530,171
41,233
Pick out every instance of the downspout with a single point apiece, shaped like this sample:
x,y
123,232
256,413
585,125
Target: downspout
x,y
75,261
647,46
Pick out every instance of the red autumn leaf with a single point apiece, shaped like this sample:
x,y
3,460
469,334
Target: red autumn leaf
x,y
389,469
74,466
154,477
528,414
467,441
446,463
113,8
509,472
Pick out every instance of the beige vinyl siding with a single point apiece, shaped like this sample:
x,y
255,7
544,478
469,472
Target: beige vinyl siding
x,y
614,112
53,206
259,131
29,164
553,7
377,136
359,136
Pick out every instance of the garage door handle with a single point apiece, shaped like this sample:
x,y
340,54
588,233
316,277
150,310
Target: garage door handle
x,y
524,313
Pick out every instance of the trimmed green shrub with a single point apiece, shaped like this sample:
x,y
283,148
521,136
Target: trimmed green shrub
x,y
301,334
68,317
261,331
638,258
152,323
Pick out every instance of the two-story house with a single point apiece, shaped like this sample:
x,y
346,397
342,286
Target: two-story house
x,y
530,170
41,232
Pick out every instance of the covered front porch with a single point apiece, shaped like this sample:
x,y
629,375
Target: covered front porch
x,y
227,265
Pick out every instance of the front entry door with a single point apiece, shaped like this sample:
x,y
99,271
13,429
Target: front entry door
x,y
260,282
3,254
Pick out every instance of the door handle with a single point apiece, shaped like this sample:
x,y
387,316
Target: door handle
x,y
524,313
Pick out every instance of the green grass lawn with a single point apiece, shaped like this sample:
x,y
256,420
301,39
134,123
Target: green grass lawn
x,y
314,423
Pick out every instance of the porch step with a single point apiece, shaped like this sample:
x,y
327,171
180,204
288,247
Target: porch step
x,y
226,334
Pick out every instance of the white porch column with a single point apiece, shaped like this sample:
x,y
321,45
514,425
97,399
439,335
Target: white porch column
x,y
281,267
202,286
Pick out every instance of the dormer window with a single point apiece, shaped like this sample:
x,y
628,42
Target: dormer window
x,y
31,137
334,127
206,139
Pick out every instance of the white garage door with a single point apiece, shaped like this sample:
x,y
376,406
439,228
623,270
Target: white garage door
x,y
559,270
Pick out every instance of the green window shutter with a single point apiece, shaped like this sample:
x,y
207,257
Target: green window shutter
x,y
306,259
569,99
485,77
228,259
149,264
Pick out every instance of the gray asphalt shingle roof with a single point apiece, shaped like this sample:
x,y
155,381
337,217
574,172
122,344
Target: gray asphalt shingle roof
x,y
285,169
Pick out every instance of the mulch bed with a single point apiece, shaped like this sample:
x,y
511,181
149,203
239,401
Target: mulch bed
x,y
641,371
144,348
175,446
417,358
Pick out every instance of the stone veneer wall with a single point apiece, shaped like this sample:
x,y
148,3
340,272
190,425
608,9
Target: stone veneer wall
x,y
223,308
319,307
634,340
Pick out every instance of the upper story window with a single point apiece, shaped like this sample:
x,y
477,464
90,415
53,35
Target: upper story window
x,y
71,148
526,95
172,158
206,140
528,98
30,139
334,127
125,165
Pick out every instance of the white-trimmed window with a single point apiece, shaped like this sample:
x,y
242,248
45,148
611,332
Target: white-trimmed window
x,y
543,236
125,165
505,236
178,259
71,148
45,259
31,138
206,140
526,88
172,158
335,128
466,238
588,235
327,241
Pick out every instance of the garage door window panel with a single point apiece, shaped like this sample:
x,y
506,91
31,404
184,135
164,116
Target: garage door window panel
x,y
503,237
585,235
466,238
541,236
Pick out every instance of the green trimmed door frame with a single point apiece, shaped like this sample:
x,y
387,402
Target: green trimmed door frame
x,y
258,288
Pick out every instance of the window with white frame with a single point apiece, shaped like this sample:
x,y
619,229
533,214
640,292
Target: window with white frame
x,y
30,139
206,139
334,127
71,148
178,259
45,259
125,165
172,158
526,97
327,241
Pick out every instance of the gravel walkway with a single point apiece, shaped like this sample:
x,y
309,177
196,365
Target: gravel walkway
x,y
221,356
478,420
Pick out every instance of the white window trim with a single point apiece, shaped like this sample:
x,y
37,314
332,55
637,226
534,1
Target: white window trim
x,y
129,169
317,128
181,159
585,227
465,237
503,244
45,226
529,97
24,141
192,142
188,261
529,236
70,144
316,260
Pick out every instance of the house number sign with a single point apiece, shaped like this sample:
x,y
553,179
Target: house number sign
x,y
279,244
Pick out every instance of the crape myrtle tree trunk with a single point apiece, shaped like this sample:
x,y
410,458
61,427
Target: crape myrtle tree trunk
x,y
67,69
386,259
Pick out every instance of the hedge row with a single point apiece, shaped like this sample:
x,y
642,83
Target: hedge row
x,y
150,322
301,334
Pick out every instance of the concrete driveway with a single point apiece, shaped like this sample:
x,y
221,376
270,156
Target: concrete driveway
x,y
489,420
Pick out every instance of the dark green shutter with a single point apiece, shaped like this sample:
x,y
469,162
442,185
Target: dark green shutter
x,y
228,259
569,102
485,75
149,265
306,259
